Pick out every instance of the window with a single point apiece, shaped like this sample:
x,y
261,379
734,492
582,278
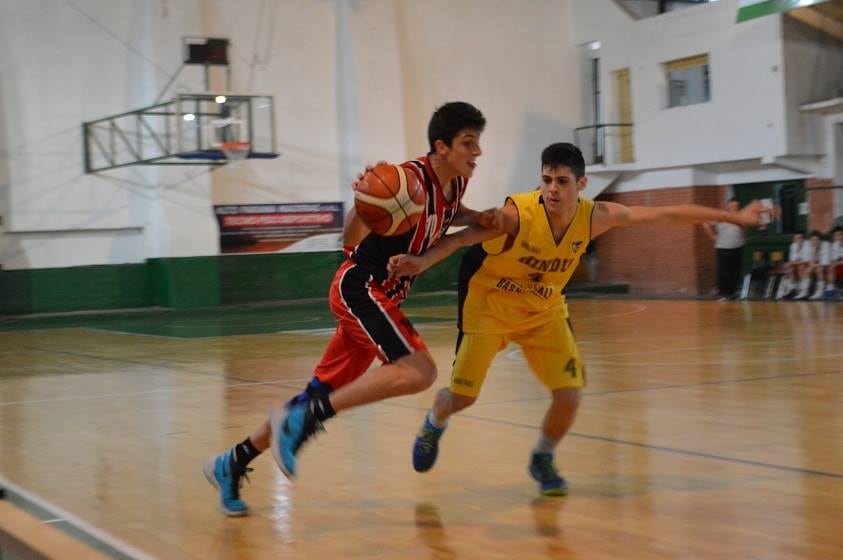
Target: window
x,y
688,81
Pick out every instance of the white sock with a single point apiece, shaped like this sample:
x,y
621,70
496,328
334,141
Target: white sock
x,y
804,284
441,424
545,445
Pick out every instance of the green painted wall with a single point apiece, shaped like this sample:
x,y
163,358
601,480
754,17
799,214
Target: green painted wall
x,y
185,283
252,278
443,276
81,288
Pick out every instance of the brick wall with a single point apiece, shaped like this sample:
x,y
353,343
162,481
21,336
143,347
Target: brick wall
x,y
820,204
660,260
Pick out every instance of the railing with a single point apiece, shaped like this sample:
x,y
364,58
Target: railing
x,y
592,141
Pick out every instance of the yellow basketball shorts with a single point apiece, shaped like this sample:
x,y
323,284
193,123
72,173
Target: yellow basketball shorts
x,y
550,351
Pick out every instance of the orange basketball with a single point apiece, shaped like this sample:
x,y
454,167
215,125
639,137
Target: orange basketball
x,y
390,200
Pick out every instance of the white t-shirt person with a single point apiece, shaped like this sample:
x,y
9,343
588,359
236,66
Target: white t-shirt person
x,y
818,254
729,236
836,252
797,251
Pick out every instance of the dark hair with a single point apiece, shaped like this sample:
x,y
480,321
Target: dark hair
x,y
451,118
816,233
563,153
733,199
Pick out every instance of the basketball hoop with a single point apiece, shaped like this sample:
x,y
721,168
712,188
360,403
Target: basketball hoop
x,y
236,151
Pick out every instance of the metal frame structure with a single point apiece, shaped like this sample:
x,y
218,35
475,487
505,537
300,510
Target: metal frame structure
x,y
139,138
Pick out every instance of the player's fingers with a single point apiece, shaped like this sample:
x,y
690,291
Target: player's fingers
x,y
370,166
394,265
394,261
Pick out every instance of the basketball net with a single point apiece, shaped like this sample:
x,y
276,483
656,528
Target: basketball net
x,y
235,151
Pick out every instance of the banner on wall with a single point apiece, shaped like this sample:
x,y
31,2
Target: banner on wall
x,y
274,228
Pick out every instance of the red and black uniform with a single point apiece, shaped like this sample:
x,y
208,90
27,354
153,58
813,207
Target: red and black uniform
x,y
366,302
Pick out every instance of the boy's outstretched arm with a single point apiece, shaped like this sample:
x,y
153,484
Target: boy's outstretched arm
x,y
608,215
410,265
489,219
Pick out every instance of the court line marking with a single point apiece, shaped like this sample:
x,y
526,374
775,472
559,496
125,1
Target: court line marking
x,y
166,368
726,345
664,448
287,384
803,358
516,354
450,321
126,333
732,338
273,324
433,317
677,386
431,320
80,524
639,308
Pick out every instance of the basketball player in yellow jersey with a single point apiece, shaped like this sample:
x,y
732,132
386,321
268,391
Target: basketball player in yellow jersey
x,y
510,290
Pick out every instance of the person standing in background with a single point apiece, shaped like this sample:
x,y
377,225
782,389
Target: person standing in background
x,y
729,240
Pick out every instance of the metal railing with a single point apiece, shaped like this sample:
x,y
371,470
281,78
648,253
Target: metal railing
x,y
592,140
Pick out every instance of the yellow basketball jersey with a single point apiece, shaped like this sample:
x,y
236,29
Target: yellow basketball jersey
x,y
521,287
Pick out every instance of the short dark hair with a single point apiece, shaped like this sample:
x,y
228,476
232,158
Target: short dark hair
x,y
816,233
451,118
733,199
563,153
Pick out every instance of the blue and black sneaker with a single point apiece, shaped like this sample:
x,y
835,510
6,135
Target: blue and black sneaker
x,y
290,429
545,473
426,446
314,389
227,480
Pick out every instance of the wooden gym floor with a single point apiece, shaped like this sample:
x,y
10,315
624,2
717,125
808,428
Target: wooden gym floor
x,y
706,431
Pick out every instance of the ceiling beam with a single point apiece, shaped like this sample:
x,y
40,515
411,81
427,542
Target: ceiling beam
x,y
815,19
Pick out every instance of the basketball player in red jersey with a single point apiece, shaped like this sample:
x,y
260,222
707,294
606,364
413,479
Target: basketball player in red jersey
x,y
366,303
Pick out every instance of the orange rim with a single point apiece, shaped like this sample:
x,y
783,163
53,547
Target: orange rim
x,y
235,146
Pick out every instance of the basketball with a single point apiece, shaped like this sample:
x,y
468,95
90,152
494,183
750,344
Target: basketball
x,y
389,200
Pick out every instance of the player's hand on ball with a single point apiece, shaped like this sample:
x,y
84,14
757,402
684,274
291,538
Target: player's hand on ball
x,y
369,167
360,184
404,265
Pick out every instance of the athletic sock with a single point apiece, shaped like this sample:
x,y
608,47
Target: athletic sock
x,y
545,445
437,423
320,406
242,454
